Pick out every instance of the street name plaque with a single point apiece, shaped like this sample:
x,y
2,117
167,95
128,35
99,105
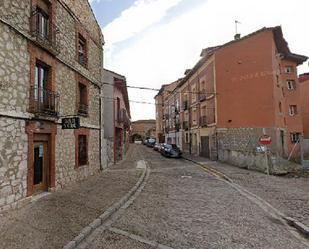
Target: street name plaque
x,y
70,123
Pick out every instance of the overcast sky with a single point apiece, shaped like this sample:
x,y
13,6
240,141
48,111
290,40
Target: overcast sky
x,y
152,42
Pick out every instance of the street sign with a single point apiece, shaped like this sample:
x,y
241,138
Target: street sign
x,y
265,139
70,123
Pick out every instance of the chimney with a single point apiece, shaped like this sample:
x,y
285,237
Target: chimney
x,y
237,37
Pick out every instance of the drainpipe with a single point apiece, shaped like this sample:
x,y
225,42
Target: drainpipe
x,y
101,128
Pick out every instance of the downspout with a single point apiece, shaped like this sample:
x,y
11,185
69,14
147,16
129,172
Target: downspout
x,y
101,129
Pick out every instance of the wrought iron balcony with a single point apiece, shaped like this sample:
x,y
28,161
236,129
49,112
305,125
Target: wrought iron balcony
x,y
83,109
202,95
44,33
44,102
185,125
203,121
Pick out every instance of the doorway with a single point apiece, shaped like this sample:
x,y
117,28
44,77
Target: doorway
x,y
205,147
40,166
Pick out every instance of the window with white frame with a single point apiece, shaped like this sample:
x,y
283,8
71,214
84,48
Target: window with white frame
x,y
292,110
295,137
291,84
288,70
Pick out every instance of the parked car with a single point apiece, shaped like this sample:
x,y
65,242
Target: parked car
x,y
157,147
151,142
171,150
145,142
138,142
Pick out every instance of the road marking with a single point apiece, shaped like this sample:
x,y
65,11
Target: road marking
x,y
139,238
141,164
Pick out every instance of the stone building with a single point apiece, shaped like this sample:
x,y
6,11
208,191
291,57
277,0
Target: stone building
x,y
143,129
239,91
116,117
51,61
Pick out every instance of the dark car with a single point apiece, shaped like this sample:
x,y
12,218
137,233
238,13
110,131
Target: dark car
x,y
157,147
151,142
171,150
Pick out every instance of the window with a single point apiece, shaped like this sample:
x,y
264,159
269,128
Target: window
x,y
83,99
291,84
42,23
193,90
82,51
187,138
292,110
40,83
288,70
295,137
82,150
280,107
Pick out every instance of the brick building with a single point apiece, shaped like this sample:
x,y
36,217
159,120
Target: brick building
x,y
51,56
238,91
117,117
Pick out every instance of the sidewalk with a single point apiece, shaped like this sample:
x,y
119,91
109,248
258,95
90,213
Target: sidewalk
x,y
288,195
54,220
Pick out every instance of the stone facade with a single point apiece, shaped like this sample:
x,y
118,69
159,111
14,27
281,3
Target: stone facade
x,y
21,127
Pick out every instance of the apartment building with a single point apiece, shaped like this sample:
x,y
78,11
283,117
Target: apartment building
x,y
165,105
117,124
304,91
50,82
238,91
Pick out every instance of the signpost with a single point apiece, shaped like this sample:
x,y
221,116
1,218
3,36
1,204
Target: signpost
x,y
265,140
70,123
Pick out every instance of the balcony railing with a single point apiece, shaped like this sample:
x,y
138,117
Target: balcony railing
x,y
202,95
44,34
203,121
83,109
185,125
44,102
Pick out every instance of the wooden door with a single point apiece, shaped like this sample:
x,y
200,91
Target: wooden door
x,y
40,166
205,147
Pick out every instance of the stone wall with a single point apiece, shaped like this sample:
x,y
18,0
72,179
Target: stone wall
x,y
240,147
66,171
66,37
16,12
107,153
13,161
14,71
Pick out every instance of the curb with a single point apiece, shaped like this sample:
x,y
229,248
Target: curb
x,y
298,225
301,228
106,215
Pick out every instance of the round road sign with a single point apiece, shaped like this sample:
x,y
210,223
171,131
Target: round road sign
x,y
265,139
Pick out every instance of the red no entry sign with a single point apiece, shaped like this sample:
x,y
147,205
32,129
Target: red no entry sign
x,y
265,139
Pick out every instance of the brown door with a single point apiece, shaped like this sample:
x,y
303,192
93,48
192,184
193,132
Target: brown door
x,y
40,166
205,147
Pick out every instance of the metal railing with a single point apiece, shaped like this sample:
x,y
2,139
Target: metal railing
x,y
44,102
45,36
202,95
203,121
83,109
185,125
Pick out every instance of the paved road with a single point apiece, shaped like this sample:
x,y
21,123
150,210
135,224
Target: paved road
x,y
182,206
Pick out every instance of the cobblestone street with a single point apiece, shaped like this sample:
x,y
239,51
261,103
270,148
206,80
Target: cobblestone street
x,y
182,206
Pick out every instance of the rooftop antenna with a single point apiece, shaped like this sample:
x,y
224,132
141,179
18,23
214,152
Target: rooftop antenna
x,y
237,35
